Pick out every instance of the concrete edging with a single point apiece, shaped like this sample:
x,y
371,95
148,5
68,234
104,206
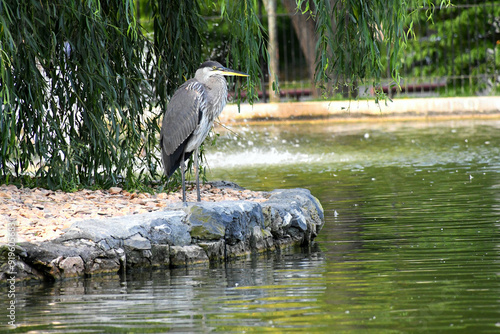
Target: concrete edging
x,y
354,110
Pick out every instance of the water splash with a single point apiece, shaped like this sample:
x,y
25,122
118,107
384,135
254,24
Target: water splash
x,y
261,156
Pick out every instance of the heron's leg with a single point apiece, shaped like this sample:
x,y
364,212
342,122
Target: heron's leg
x,y
183,170
196,166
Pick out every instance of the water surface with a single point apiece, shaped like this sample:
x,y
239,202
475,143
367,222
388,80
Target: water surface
x,y
411,241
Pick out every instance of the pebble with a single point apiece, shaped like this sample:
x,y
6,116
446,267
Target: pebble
x,y
3,194
115,190
42,214
162,196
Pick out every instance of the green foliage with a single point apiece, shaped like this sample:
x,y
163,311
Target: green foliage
x,y
182,35
71,90
358,38
83,84
449,48
234,36
247,41
80,81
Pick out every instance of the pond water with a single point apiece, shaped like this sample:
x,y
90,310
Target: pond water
x,y
411,241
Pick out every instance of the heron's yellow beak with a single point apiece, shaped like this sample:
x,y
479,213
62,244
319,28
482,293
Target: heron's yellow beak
x,y
229,72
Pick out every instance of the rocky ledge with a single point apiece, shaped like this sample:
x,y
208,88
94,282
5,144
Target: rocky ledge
x,y
180,235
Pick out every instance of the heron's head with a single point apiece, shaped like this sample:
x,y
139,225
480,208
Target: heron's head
x,y
210,68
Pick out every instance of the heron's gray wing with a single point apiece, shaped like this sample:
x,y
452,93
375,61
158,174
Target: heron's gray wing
x,y
182,115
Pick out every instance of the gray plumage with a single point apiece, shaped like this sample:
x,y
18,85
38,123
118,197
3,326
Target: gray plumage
x,y
190,115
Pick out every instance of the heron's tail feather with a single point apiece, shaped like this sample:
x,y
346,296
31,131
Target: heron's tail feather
x,y
172,161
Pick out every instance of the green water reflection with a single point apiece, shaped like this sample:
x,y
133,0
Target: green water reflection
x,y
413,214
411,242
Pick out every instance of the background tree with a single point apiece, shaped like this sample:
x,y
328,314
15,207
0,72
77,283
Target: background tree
x,y
83,85
305,29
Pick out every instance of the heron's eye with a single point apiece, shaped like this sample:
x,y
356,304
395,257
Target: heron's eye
x,y
214,67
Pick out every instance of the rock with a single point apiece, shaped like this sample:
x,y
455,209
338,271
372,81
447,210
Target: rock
x,y
162,227
257,239
115,190
180,235
72,266
137,242
160,255
137,251
225,185
204,225
27,201
214,250
4,194
181,256
237,218
162,196
298,210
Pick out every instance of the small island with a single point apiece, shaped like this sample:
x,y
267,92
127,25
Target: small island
x,y
194,233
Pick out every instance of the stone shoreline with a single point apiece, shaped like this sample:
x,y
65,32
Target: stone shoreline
x,y
174,236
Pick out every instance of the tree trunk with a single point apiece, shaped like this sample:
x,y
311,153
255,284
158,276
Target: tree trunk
x,y
305,29
273,49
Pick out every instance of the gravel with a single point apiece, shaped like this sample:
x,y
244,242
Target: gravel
x,y
40,214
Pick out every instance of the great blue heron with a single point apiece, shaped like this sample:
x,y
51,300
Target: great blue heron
x,y
190,115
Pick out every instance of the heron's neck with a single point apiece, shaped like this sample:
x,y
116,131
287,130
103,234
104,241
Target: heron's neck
x,y
217,93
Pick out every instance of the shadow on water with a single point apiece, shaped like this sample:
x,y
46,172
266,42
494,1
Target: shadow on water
x,y
411,241
221,298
